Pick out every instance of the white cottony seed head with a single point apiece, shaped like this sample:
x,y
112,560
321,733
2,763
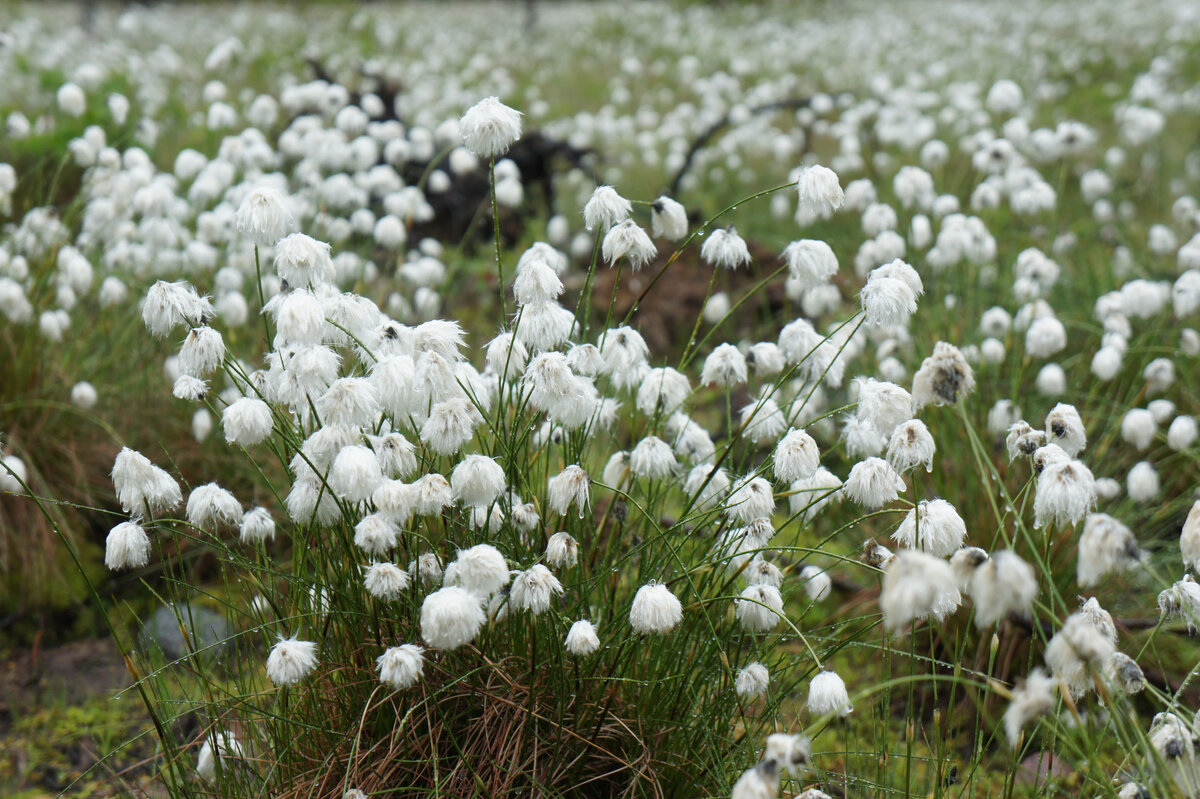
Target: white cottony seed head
x,y
451,617
490,127
400,666
827,695
582,639
291,660
752,681
655,610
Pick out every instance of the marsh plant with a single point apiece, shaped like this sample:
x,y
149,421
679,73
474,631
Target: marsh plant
x,y
937,540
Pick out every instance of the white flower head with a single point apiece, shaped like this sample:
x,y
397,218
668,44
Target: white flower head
x,y
490,127
605,209
724,247
569,487
873,483
759,608
1002,585
934,526
944,377
820,194
628,240
1035,697
752,681
141,486
451,617
911,445
811,262
264,216
127,546
533,589
303,261
400,666
1105,546
917,585
725,366
477,481
668,219
291,660
257,525
655,610
827,694
1066,491
480,569
797,457
169,305
562,550
211,508
247,421
582,639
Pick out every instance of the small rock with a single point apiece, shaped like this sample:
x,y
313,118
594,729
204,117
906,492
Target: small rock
x,y
210,633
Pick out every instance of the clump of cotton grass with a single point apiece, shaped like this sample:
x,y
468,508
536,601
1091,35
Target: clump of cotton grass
x,y
561,468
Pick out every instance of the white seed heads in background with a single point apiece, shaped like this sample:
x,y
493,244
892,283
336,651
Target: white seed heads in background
x,y
1002,585
1034,697
811,262
816,581
1182,599
219,746
1105,546
1083,645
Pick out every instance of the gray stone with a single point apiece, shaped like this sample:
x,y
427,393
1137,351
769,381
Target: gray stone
x,y
210,633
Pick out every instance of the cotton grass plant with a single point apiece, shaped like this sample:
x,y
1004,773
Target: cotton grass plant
x,y
840,554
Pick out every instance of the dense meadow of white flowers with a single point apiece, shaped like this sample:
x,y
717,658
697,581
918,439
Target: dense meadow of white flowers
x,y
452,494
